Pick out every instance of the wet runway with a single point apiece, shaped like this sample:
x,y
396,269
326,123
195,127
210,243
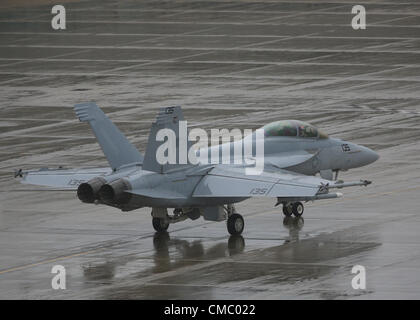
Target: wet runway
x,y
229,64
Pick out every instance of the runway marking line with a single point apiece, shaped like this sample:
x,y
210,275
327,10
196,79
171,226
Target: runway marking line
x,y
47,261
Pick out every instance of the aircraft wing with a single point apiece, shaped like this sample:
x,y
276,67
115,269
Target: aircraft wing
x,y
223,181
68,179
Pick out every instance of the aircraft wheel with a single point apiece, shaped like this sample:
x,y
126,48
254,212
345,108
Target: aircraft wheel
x,y
297,209
160,224
287,210
235,224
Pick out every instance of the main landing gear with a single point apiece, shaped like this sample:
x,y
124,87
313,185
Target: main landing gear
x,y
161,219
293,208
235,222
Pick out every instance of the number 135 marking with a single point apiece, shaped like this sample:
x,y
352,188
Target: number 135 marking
x,y
258,191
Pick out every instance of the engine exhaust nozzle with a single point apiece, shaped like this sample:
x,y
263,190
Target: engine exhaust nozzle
x,y
88,191
114,192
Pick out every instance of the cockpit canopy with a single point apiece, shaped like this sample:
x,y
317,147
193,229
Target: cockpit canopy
x,y
293,128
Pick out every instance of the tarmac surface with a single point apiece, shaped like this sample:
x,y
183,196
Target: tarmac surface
x,y
229,64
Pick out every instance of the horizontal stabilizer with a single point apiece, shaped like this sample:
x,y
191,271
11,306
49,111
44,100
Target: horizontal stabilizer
x,y
68,179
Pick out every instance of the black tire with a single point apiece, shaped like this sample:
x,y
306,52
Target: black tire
x,y
287,210
160,224
297,209
235,224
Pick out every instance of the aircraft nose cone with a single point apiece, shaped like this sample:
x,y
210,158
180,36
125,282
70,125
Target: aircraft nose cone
x,y
369,155
375,156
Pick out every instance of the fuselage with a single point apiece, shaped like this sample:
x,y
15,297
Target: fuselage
x,y
319,152
329,154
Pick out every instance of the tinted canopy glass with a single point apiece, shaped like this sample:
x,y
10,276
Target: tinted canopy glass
x,y
293,128
284,128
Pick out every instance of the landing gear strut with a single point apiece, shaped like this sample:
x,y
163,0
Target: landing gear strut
x,y
295,208
161,219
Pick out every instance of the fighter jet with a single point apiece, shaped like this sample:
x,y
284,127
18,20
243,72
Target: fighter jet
x,y
295,153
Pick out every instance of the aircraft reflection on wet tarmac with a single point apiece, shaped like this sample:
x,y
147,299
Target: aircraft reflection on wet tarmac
x,y
191,252
294,224
228,264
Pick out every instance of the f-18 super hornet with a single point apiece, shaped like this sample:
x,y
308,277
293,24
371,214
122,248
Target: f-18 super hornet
x,y
294,153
